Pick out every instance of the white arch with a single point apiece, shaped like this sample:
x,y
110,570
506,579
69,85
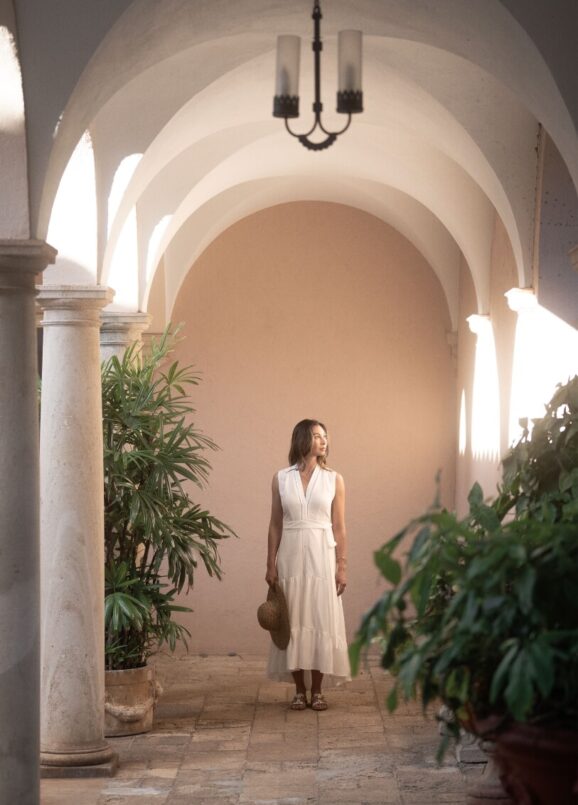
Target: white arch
x,y
413,220
432,179
14,221
124,267
122,177
73,222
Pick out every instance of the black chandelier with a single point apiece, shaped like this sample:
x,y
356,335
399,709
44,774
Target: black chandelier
x,y
349,94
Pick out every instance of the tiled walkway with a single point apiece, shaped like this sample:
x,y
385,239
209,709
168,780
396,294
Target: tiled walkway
x,y
223,734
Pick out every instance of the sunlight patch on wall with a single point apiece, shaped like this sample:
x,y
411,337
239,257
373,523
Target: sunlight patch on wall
x,y
72,228
122,177
463,432
545,354
486,396
123,276
154,243
11,100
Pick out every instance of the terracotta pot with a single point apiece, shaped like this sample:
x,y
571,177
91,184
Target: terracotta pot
x,y
488,789
130,698
538,766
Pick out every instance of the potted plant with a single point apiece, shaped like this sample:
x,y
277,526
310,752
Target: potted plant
x,y
154,534
482,614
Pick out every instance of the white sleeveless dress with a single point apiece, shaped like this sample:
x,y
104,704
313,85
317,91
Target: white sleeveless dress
x,y
306,571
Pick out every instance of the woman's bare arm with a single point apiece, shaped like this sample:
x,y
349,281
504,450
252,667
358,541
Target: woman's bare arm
x,y
338,523
275,531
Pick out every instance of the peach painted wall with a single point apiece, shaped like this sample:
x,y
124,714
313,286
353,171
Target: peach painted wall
x,y
314,310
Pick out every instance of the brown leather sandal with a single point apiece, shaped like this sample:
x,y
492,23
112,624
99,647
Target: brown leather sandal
x,y
299,702
318,702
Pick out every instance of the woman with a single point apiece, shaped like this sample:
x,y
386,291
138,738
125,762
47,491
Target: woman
x,y
307,556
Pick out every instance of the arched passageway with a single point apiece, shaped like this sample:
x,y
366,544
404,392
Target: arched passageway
x,y
148,152
315,310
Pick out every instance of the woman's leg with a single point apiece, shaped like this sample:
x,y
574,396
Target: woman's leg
x,y
300,699
299,680
317,700
316,681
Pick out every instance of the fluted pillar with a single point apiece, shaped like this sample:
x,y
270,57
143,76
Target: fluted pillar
x,y
72,534
119,330
20,262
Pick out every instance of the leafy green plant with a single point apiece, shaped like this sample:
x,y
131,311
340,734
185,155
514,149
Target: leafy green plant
x,y
541,471
154,534
483,613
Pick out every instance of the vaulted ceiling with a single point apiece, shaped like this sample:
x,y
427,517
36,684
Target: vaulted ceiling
x,y
180,94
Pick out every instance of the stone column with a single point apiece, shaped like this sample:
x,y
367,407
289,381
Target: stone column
x,y
72,535
20,262
119,330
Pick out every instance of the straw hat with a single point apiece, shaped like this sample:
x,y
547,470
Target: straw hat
x,y
273,616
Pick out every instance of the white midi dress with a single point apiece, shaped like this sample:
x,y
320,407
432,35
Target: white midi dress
x,y
306,572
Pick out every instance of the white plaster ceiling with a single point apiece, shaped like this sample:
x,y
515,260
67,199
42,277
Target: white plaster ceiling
x,y
453,95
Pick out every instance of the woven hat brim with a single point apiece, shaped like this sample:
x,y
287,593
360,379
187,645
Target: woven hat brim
x,y
282,634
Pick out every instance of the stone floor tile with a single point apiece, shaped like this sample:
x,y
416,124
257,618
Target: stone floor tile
x,y
230,759
295,785
221,733
267,738
71,792
270,767
282,752
375,790
176,799
418,785
202,785
111,799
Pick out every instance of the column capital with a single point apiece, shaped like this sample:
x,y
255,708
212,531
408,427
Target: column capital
x,y
21,261
521,300
478,322
133,324
119,330
27,255
73,305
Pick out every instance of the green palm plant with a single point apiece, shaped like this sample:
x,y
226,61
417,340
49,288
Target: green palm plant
x,y
154,534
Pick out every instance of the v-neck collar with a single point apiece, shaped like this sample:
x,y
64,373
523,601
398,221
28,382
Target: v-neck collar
x,y
306,494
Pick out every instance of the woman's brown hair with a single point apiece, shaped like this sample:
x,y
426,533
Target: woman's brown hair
x,y
302,440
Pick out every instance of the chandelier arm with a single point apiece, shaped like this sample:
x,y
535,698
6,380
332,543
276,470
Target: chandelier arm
x,y
317,146
307,133
321,145
311,144
335,133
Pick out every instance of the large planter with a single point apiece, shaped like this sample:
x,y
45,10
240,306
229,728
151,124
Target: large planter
x,y
538,766
130,698
488,789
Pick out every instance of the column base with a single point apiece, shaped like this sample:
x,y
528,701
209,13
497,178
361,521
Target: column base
x,y
107,769
101,762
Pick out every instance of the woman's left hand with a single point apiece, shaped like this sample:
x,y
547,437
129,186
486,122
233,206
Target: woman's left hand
x,y
340,581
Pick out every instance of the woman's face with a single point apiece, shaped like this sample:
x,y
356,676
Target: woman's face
x,y
318,441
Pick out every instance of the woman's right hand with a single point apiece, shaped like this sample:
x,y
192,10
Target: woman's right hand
x,y
271,576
